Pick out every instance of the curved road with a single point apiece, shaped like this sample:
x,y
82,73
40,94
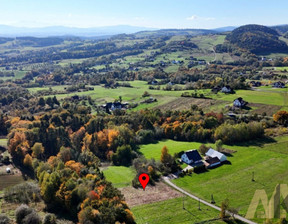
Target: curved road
x,y
167,180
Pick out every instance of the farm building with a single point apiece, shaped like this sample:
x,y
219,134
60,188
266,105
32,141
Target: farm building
x,y
255,83
226,89
113,106
8,170
192,158
212,162
278,85
239,102
215,154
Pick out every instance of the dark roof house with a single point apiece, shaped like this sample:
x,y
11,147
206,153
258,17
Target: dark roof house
x,y
239,102
255,83
278,84
192,158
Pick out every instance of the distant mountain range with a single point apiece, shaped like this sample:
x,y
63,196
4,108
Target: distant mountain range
x,y
11,31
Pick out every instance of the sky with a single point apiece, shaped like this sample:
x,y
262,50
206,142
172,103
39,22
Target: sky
x,y
143,13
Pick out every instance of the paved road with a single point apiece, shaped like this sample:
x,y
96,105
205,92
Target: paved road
x,y
167,180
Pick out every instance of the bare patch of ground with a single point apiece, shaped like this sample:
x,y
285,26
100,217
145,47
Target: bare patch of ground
x,y
261,108
159,192
184,103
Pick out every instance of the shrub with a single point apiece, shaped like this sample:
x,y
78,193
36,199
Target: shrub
x,y
219,145
21,212
4,219
203,149
23,193
32,218
49,219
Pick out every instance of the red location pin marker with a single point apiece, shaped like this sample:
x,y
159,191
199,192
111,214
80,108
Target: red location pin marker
x,y
143,179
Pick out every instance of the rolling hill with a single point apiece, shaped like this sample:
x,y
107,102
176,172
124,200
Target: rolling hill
x,y
257,39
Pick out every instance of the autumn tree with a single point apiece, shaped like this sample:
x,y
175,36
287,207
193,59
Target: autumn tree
x,y
64,154
27,161
77,138
165,156
281,117
37,150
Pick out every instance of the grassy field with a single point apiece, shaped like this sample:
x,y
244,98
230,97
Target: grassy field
x,y
269,162
263,97
120,176
3,142
154,150
10,180
171,211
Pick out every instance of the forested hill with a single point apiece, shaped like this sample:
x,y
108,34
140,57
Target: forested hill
x,y
282,29
257,39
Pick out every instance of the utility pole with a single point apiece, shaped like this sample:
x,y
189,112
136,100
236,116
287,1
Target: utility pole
x,y
199,205
253,177
212,199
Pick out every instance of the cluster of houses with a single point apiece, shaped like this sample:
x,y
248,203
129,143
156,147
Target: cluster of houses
x,y
212,158
111,106
278,84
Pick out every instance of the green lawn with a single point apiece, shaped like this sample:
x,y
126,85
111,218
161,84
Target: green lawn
x,y
171,211
272,98
3,142
153,150
120,176
269,163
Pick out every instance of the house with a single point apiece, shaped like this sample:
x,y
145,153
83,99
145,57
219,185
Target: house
x,y
226,89
213,153
239,102
215,89
278,84
255,83
154,82
192,158
113,106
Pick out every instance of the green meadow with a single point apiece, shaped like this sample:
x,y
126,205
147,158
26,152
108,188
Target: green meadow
x,y
268,161
120,176
153,150
171,211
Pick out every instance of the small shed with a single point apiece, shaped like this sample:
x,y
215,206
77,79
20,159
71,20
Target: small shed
x,y
8,170
211,162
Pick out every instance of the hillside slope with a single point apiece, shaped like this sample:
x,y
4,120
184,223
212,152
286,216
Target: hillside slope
x,y
257,39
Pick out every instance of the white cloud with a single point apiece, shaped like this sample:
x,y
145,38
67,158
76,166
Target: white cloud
x,y
195,17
